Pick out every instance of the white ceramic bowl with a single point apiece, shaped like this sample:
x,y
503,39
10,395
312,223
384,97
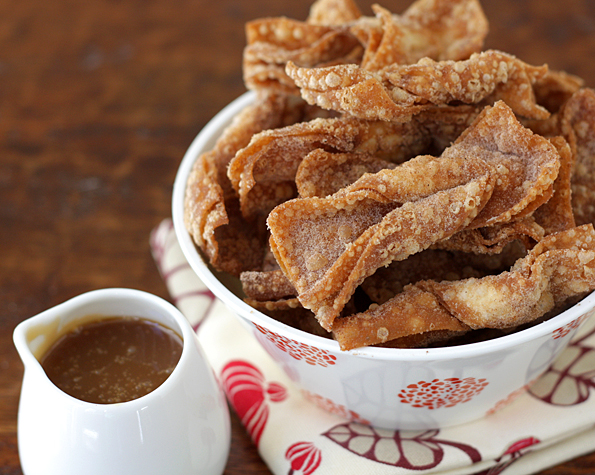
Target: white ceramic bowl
x,y
180,428
391,388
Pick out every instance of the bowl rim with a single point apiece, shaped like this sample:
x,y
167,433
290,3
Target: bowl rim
x,y
196,261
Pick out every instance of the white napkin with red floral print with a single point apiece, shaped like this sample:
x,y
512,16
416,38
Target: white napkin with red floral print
x,y
553,422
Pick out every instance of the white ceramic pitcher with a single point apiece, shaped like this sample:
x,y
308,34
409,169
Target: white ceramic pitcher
x,y
180,428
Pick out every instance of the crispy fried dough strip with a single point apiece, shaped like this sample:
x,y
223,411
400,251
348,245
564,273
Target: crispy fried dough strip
x,y
336,33
456,28
553,91
562,265
438,29
556,214
272,42
263,173
409,313
399,91
578,127
367,231
438,265
526,164
354,91
263,286
492,239
323,173
210,206
333,12
555,88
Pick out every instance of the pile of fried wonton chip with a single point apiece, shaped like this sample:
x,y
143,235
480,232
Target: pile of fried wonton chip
x,y
394,184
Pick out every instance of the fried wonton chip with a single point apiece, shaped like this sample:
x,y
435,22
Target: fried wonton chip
x,y
263,286
263,173
554,88
526,164
398,92
325,270
333,12
272,42
323,173
438,29
578,126
336,33
328,246
560,266
492,239
556,214
211,207
414,312
438,265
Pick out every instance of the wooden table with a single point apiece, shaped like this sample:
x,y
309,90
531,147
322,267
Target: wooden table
x,y
98,102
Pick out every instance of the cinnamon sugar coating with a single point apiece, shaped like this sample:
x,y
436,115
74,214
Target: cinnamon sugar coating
x,y
211,208
560,266
264,172
323,173
263,286
327,246
337,33
578,126
397,92
394,213
526,164
415,312
333,12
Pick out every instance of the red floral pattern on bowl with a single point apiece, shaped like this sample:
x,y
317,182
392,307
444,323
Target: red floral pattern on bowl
x,y
511,397
334,408
566,329
442,392
299,351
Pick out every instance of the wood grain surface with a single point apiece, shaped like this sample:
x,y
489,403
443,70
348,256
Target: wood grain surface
x,y
99,100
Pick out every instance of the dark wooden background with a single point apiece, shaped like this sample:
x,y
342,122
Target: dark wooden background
x,y
99,99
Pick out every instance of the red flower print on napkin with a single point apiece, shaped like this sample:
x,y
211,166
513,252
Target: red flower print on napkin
x,y
410,450
174,267
249,393
511,455
442,392
304,456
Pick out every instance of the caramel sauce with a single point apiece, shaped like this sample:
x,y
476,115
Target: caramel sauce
x,y
113,360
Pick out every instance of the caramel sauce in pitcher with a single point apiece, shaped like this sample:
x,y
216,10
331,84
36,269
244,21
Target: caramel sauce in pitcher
x,y
111,360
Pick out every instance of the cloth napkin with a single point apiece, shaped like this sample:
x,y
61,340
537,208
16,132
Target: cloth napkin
x,y
554,421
